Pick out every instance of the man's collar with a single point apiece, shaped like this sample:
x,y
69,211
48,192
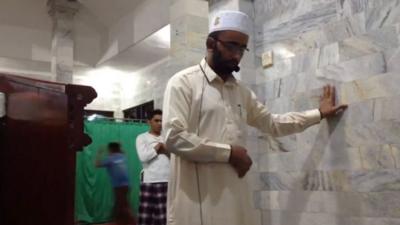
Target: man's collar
x,y
211,75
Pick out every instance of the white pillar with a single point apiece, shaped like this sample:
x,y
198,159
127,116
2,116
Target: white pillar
x,y
189,29
62,61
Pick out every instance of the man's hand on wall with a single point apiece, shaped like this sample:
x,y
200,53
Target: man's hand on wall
x,y
327,103
240,160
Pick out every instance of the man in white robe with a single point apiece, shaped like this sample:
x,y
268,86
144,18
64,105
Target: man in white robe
x,y
205,110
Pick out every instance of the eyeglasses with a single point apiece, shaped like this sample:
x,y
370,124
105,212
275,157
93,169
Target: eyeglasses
x,y
233,47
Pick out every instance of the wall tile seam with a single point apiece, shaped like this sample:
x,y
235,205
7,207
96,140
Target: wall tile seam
x,y
260,43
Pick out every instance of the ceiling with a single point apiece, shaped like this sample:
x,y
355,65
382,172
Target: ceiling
x,y
25,13
139,55
33,13
109,12
152,49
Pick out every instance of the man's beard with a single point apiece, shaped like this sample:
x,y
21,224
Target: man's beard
x,y
222,66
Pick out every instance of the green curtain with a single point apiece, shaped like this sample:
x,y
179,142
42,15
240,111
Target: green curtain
x,y
94,195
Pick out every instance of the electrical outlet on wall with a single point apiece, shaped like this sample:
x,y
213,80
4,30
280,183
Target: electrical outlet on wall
x,y
267,59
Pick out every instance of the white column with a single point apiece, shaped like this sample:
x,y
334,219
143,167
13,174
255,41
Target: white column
x,y
62,62
189,29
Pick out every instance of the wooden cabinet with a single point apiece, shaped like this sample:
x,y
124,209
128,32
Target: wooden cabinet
x,y
39,137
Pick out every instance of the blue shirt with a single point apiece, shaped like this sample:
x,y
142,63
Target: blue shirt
x,y
117,169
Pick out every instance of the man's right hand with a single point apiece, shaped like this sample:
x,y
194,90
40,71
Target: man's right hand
x,y
240,160
161,149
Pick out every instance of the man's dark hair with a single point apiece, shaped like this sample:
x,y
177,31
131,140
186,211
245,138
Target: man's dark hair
x,y
214,35
151,114
114,147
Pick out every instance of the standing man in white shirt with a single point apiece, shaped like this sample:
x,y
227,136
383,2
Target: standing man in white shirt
x,y
155,161
205,112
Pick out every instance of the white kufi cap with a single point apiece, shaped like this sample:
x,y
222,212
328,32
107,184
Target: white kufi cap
x,y
231,20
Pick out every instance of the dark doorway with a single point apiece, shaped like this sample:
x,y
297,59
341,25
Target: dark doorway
x,y
139,112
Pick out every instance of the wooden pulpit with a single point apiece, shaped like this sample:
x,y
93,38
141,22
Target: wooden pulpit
x,y
39,137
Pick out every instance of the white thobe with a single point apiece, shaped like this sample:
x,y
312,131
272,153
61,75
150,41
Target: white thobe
x,y
202,117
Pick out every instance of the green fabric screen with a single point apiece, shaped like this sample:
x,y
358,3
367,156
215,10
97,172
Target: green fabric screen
x,y
94,196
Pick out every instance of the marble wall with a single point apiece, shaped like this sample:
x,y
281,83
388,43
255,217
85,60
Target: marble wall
x,y
345,170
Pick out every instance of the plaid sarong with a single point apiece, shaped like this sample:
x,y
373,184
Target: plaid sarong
x,y
153,204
